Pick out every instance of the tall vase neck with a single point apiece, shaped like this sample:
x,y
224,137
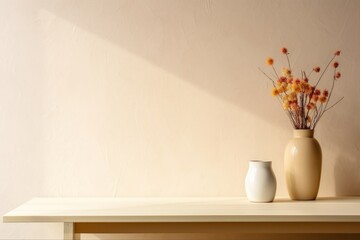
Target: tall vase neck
x,y
303,133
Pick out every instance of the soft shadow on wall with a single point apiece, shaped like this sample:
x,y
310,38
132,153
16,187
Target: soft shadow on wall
x,y
221,59
346,182
343,150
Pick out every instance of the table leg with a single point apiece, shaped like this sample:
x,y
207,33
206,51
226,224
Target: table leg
x,y
69,231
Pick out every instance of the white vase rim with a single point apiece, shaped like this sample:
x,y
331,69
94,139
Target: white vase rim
x,y
260,162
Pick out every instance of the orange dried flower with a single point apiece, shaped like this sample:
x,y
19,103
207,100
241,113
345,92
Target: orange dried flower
x,y
294,106
281,89
312,89
269,61
315,98
322,99
317,92
307,89
338,75
326,93
286,104
304,86
286,72
281,80
284,50
335,64
337,53
293,96
316,69
274,92
309,106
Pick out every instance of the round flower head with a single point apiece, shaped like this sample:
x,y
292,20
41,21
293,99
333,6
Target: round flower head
x,y
307,89
338,75
316,69
317,92
286,105
315,98
337,53
322,99
312,89
335,64
286,72
296,88
269,61
326,93
284,50
294,106
293,96
310,106
281,80
274,92
283,87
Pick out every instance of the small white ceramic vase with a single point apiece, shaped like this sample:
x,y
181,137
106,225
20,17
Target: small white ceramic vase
x,y
260,182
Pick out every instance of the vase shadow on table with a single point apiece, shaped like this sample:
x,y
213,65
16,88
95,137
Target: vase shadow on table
x,y
347,179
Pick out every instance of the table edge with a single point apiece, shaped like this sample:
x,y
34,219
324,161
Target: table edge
x,y
142,219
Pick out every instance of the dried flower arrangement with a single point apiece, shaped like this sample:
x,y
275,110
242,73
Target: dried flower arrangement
x,y
303,103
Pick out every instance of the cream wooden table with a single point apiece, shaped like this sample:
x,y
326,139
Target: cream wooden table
x,y
217,218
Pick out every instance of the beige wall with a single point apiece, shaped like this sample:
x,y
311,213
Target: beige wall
x,y
162,98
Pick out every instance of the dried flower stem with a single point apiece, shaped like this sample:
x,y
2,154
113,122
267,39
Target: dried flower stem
x,y
275,71
288,60
332,88
327,109
322,74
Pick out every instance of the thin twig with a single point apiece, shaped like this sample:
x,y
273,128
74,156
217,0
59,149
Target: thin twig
x,y
267,76
277,75
314,117
333,104
310,73
288,60
327,66
328,99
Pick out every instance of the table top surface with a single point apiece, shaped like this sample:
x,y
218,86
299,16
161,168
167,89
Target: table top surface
x,y
184,210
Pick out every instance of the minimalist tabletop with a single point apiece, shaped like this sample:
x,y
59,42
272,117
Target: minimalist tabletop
x,y
184,210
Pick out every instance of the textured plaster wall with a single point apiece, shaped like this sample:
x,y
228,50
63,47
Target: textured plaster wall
x,y
162,98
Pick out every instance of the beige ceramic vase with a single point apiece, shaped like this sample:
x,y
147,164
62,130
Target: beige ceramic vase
x,y
303,165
